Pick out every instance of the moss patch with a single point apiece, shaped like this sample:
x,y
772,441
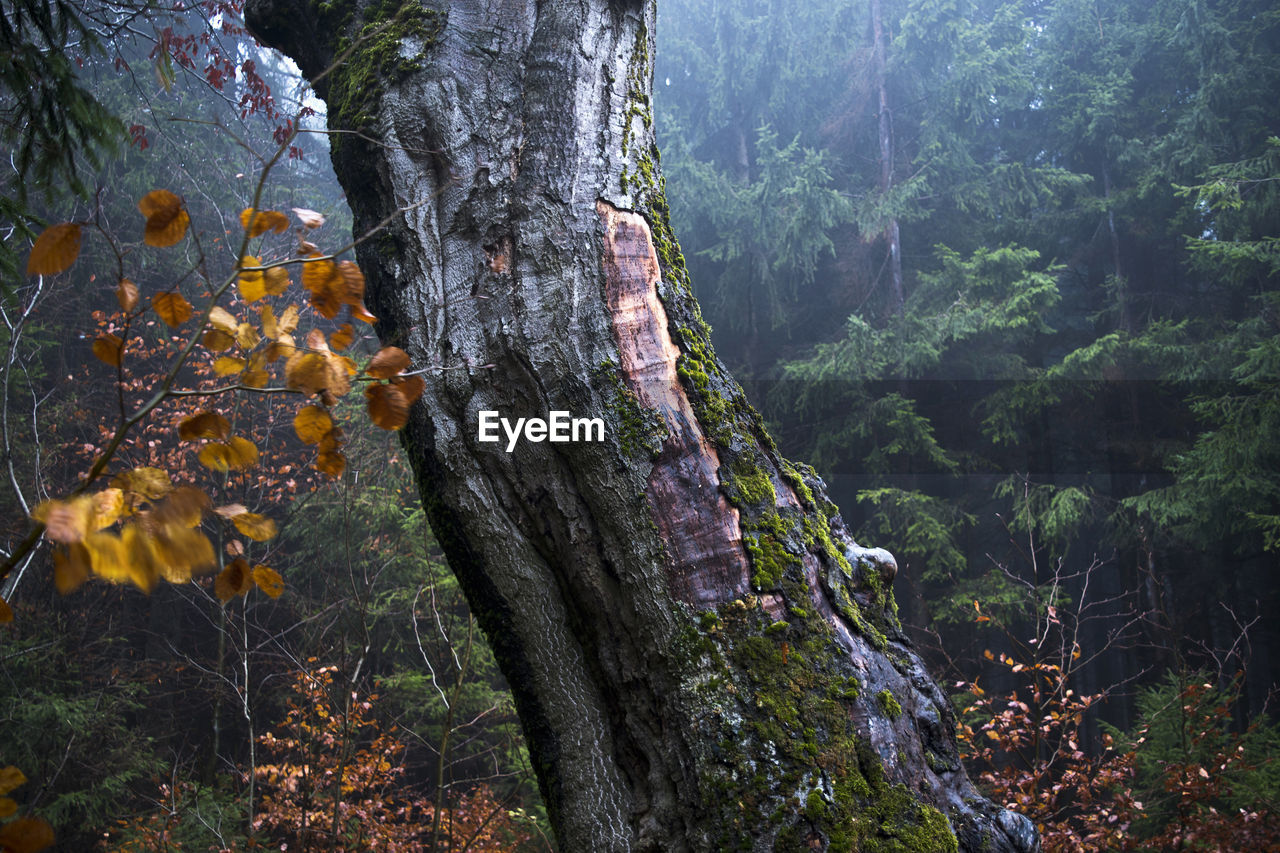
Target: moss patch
x,y
889,705
638,428
372,54
789,763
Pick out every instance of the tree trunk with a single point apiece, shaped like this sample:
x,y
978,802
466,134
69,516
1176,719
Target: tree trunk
x,y
701,657
892,234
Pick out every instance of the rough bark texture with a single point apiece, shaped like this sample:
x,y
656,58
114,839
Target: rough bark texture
x,y
701,656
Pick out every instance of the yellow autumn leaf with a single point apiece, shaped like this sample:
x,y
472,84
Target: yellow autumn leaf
x,y
257,527
172,308
250,282
167,221
55,249
106,508
312,423
127,295
223,320
70,569
65,521
268,580
226,365
319,273
111,560
109,348
247,336
179,552
276,280
261,221
307,372
217,341
11,778
149,483
243,452
215,457
269,327
8,807
255,375
184,507
204,425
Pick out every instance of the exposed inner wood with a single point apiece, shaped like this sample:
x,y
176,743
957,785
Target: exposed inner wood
x,y
708,564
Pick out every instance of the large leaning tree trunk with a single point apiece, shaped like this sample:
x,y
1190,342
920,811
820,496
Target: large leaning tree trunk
x,y
701,656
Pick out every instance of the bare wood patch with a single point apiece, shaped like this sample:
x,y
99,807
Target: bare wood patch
x,y
701,528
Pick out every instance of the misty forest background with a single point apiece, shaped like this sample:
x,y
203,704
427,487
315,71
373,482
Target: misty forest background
x,y
1006,273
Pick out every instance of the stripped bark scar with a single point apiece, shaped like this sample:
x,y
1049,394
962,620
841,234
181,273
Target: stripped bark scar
x,y
700,527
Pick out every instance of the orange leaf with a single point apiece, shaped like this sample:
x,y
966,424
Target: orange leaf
x,y
387,406
204,425
6,612
234,580
331,462
268,580
342,338
362,314
352,283
387,362
319,273
312,423
166,220
316,341
55,249
26,835
108,348
410,386
127,295
172,308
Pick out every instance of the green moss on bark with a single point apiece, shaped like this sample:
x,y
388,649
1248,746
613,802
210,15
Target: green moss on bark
x,y
380,43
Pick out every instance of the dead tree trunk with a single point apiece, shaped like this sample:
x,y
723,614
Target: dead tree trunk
x,y
701,657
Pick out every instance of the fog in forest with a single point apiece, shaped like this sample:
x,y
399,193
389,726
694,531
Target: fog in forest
x,y
1006,274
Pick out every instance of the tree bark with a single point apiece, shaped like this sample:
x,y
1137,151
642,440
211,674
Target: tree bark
x,y
884,118
701,657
